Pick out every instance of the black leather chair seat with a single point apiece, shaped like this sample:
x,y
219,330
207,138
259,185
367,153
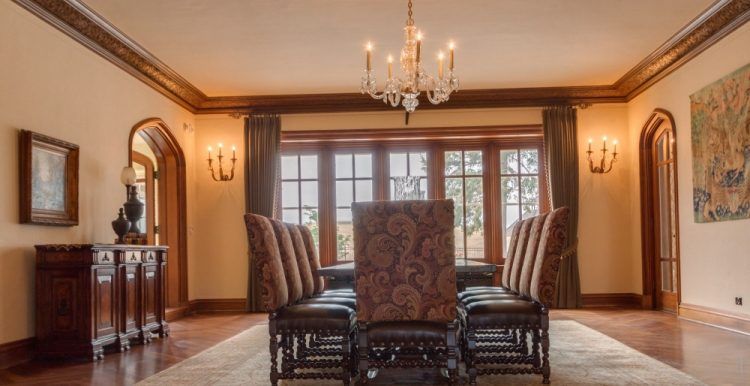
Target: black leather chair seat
x,y
406,334
346,290
342,301
490,296
482,291
498,313
314,317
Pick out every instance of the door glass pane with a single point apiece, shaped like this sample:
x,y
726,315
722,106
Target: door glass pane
x,y
418,164
529,190
363,165
290,215
308,166
289,167
665,229
363,190
344,241
344,193
510,190
474,231
453,163
309,193
473,162
509,161
344,166
529,210
529,161
661,144
458,230
289,194
397,164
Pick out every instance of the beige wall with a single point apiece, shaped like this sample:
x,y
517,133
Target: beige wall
x,y
607,259
715,258
53,85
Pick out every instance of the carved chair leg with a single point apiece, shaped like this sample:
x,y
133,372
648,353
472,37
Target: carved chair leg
x,y
345,359
545,349
471,345
287,355
363,349
301,346
274,349
535,343
452,351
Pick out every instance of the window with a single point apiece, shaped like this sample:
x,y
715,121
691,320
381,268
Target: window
x,y
299,191
464,184
519,188
493,174
408,175
354,182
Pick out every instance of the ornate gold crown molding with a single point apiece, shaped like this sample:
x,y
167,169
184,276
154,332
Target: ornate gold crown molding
x,y
719,20
84,25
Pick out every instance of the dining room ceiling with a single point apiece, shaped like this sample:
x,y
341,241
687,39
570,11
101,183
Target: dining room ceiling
x,y
269,47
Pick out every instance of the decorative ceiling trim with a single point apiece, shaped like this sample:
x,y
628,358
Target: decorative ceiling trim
x,y
719,20
88,28
84,25
464,99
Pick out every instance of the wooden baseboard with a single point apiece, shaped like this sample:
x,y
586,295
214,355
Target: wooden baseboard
x,y
19,351
624,300
174,313
217,305
717,318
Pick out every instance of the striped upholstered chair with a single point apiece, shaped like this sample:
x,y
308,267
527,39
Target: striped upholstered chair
x,y
289,319
489,316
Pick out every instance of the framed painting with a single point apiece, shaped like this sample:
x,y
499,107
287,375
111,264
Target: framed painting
x,y
48,180
720,130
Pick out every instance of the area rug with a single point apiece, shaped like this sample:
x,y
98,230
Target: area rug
x,y
579,355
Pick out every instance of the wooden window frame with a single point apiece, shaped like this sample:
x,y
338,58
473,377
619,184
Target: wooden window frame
x,y
434,141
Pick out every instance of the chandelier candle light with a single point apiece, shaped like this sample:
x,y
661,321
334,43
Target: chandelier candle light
x,y
222,177
406,88
602,168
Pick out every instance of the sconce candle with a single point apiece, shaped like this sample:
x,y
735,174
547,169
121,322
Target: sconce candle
x,y
602,167
220,157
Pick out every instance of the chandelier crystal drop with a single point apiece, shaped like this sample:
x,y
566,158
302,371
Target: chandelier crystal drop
x,y
405,89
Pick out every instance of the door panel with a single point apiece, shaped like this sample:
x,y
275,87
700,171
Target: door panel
x,y
664,198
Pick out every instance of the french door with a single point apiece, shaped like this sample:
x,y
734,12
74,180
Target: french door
x,y
665,218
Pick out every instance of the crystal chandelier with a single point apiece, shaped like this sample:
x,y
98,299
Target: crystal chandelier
x,y
414,79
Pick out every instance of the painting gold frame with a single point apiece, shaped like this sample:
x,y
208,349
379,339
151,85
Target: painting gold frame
x,y
51,199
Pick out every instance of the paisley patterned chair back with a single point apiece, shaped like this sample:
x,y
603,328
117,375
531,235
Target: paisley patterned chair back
x,y
404,255
547,263
267,258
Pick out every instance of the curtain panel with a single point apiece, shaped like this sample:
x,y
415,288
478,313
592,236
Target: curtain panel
x,y
560,125
262,171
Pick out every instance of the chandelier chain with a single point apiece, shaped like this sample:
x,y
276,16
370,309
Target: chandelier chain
x,y
410,20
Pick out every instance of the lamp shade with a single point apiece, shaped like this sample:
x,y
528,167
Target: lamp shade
x,y
127,176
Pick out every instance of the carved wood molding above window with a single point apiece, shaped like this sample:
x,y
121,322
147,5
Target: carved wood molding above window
x,y
90,29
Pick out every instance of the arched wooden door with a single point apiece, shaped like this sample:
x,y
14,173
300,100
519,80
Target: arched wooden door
x,y
171,208
659,213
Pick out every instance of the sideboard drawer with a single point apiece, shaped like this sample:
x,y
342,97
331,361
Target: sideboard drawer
x,y
104,257
133,256
149,256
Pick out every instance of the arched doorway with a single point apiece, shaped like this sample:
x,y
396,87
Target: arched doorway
x,y
659,213
166,221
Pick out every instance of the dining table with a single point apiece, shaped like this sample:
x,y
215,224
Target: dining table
x,y
468,273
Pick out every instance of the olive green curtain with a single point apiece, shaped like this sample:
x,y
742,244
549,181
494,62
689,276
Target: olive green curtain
x,y
561,153
262,169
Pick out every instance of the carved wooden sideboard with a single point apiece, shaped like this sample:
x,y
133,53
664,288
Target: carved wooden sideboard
x,y
89,296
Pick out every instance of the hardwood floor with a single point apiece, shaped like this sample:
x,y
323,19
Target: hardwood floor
x,y
189,336
712,355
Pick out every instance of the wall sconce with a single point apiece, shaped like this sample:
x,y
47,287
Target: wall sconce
x,y
222,177
602,168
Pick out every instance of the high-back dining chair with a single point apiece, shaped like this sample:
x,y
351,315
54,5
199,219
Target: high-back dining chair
x,y
405,281
288,319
